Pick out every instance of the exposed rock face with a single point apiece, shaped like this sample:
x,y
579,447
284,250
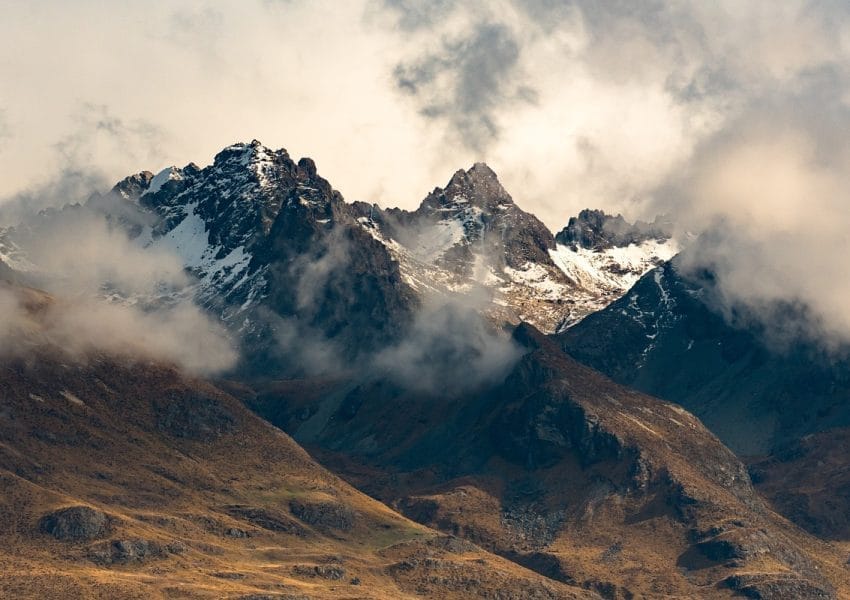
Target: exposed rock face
x,y
267,518
75,523
471,235
489,215
279,256
277,252
332,572
767,587
597,230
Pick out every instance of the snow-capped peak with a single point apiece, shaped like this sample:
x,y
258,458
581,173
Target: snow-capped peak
x,y
160,179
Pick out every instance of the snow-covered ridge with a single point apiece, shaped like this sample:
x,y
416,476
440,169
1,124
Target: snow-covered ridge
x,y
163,177
605,275
469,236
552,295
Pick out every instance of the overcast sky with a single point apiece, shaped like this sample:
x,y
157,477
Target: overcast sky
x,y
575,104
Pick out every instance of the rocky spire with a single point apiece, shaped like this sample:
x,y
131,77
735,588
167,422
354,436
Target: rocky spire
x,y
595,229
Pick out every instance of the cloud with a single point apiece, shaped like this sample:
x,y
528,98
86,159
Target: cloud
x,y
412,15
575,104
98,131
180,334
451,348
5,129
69,186
439,343
465,80
78,169
82,328
769,197
111,296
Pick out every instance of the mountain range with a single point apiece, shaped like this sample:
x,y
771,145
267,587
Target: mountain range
x,y
490,409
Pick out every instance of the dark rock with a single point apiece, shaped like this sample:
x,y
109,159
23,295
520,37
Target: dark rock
x,y
75,523
668,338
331,572
545,563
134,550
267,519
597,230
608,590
778,586
235,532
324,514
720,550
228,575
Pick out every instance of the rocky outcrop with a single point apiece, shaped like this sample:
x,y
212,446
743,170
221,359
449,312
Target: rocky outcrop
x,y
594,229
76,523
548,459
666,338
323,514
331,572
135,550
778,587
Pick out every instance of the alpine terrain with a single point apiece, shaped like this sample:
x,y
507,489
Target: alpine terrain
x,y
446,402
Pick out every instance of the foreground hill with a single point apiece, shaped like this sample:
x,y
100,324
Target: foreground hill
x,y
125,479
566,472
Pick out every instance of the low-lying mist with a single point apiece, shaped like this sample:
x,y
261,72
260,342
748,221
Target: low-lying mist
x,y
109,295
450,349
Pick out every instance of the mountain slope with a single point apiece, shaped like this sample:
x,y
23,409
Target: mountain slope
x,y
270,239
809,482
122,478
664,339
563,471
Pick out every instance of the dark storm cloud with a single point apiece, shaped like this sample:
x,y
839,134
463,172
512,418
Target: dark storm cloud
x,y
418,14
466,81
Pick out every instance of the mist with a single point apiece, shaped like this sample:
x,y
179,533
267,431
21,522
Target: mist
x,y
108,295
450,349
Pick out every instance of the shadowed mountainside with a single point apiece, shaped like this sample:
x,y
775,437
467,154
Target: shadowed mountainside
x,y
566,472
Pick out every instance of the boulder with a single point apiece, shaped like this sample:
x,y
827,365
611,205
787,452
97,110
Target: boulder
x,y
75,523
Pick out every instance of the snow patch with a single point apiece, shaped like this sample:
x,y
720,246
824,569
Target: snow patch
x,y
163,177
